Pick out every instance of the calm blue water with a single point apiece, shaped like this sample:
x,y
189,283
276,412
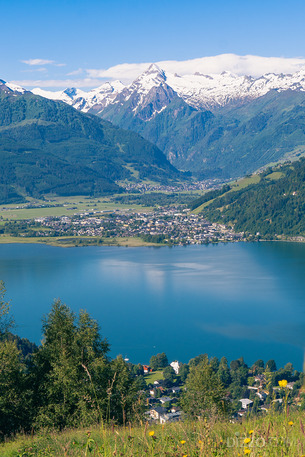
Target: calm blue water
x,y
243,299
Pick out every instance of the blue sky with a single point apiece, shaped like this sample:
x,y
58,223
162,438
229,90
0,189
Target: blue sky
x,y
72,36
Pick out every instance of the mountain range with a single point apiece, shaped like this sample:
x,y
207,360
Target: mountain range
x,y
48,147
221,125
204,92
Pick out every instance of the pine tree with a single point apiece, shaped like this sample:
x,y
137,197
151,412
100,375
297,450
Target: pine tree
x,y
70,369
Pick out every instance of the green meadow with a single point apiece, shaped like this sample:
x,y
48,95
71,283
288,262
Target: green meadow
x,y
63,206
270,436
70,241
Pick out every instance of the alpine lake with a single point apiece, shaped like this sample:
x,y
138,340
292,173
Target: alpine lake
x,y
232,300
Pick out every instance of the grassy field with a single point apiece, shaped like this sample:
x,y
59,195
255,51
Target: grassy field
x,y
68,207
271,436
68,241
150,378
244,182
235,186
275,175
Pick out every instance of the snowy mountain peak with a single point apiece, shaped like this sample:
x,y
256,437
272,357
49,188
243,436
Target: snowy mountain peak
x,y
4,88
10,87
153,90
153,68
109,87
152,77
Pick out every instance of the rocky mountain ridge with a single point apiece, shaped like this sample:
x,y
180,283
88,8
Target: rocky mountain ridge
x,y
203,92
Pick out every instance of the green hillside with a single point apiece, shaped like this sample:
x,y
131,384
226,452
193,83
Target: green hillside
x,y
49,147
273,206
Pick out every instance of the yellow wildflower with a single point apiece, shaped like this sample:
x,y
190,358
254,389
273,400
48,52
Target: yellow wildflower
x,y
283,383
247,440
290,423
199,442
151,433
247,451
251,431
182,441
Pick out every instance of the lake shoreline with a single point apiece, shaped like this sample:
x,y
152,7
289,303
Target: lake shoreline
x,y
71,242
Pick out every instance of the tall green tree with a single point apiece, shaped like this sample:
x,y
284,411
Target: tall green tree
x,y
124,402
224,372
198,359
271,365
15,395
183,371
158,361
169,373
70,369
205,393
258,366
6,321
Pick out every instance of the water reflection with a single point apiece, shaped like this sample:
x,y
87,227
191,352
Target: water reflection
x,y
232,300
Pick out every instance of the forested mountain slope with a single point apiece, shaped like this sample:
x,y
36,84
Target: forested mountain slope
x,y
49,147
273,206
231,142
222,126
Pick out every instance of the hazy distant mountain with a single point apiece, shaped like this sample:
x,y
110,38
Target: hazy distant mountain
x,y
48,147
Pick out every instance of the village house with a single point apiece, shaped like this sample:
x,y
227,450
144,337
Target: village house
x,y
245,403
156,412
165,400
170,417
175,365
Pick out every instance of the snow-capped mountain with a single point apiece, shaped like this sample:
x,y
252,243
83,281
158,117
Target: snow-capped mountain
x,y
211,91
217,125
68,95
9,87
96,99
154,89
146,97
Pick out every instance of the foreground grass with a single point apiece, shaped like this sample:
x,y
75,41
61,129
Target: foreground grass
x,y
272,436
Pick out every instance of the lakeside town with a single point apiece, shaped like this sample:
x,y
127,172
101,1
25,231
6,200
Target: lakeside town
x,y
166,225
